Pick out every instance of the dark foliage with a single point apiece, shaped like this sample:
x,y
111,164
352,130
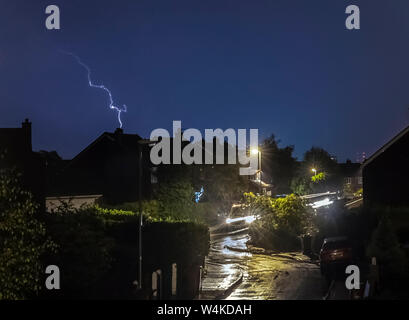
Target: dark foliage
x,y
98,250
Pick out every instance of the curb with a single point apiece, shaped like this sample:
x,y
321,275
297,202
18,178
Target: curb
x,y
229,290
328,294
226,292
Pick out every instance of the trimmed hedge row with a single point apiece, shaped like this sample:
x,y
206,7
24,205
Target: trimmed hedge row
x,y
98,251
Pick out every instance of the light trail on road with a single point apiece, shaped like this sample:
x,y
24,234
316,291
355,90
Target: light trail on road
x,y
234,273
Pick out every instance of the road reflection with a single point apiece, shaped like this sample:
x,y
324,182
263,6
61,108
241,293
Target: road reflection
x,y
224,266
233,273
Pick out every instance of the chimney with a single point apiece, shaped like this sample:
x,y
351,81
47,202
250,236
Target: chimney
x,y
119,131
118,134
26,127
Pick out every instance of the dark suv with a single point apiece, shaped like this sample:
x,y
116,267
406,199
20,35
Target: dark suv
x,y
335,252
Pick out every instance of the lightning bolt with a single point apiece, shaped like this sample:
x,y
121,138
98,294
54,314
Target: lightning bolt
x,y
118,109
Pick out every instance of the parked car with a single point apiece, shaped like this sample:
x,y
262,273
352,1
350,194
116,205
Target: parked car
x,y
335,252
239,216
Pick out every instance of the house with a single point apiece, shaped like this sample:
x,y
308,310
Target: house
x,y
109,166
16,152
76,202
386,173
352,177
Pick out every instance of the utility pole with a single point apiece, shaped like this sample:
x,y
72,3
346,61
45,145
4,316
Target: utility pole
x,y
259,164
140,212
141,143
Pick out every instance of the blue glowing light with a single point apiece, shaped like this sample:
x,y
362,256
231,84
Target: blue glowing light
x,y
199,194
118,109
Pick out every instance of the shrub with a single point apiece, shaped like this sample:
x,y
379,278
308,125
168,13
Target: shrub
x,y
258,205
174,202
319,177
98,249
292,216
359,193
301,185
281,222
22,240
83,251
385,247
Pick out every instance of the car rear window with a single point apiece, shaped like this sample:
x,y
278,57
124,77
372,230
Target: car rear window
x,y
337,245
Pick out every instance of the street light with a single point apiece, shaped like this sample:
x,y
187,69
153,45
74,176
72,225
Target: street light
x,y
256,151
314,170
142,142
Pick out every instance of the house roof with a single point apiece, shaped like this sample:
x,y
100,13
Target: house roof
x,y
16,141
349,169
127,141
386,146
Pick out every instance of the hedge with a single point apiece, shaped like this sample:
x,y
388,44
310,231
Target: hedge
x,y
98,250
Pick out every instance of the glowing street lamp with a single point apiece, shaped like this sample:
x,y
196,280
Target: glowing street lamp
x,y
256,151
314,170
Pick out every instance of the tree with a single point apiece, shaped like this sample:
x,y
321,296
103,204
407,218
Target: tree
x,y
324,177
319,177
301,185
223,185
385,247
280,223
278,164
22,240
175,199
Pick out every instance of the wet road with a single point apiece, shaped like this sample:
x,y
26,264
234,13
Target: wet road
x,y
224,267
234,273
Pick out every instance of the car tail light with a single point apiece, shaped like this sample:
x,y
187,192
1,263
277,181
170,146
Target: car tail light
x,y
324,255
347,252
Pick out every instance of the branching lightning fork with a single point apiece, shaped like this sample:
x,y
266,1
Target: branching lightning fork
x,y
118,109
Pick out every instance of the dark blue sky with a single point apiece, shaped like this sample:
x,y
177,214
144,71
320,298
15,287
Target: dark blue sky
x,y
283,66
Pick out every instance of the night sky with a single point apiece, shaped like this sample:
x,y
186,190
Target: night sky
x,y
283,66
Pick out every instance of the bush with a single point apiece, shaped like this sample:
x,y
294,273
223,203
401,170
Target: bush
x,y
22,240
98,249
301,185
292,216
164,243
281,222
174,202
206,212
392,262
83,251
359,193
